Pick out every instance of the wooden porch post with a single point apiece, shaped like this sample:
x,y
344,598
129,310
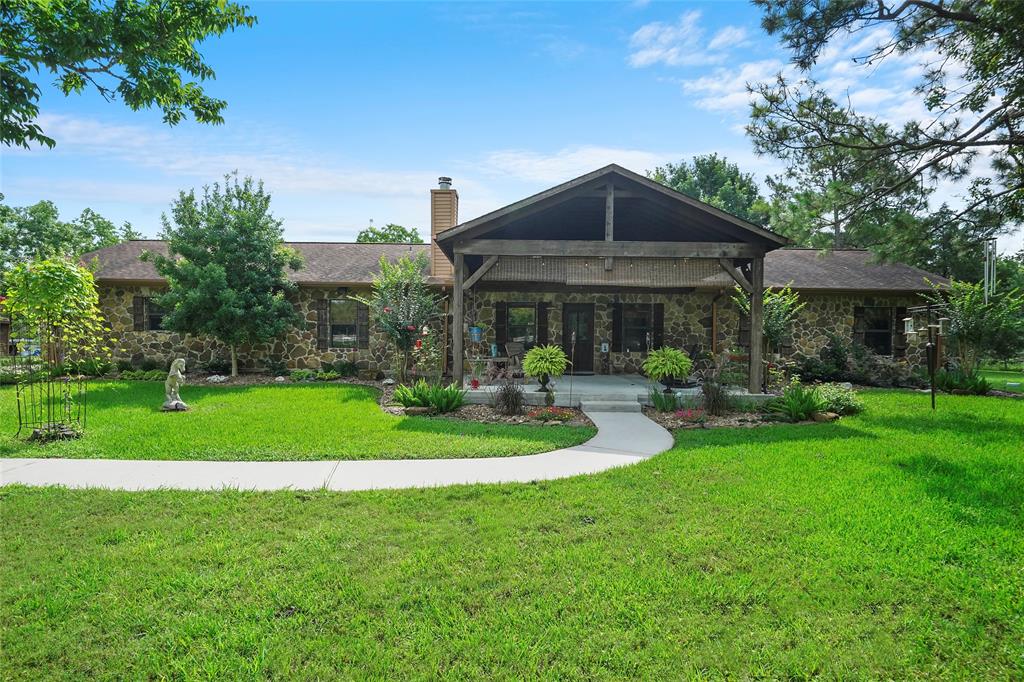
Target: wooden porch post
x,y
609,221
756,324
458,316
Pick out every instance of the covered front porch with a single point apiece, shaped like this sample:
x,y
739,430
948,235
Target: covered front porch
x,y
608,266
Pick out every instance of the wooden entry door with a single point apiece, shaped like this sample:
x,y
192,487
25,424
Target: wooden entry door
x,y
579,318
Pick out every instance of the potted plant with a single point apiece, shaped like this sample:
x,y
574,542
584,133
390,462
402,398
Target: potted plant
x,y
665,364
474,380
544,362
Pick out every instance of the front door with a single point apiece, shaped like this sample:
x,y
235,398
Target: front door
x,y
578,319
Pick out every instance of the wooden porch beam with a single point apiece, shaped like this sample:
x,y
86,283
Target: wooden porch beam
x,y
736,275
480,272
609,220
625,249
756,325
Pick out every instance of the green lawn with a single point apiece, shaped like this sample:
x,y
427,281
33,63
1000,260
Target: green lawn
x,y
999,378
317,421
888,545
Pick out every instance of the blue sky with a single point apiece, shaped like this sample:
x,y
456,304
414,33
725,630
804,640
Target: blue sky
x,y
350,111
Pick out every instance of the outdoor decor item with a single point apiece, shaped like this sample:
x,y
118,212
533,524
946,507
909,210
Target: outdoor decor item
x,y
172,401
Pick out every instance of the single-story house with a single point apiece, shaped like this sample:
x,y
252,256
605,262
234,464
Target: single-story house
x,y
608,265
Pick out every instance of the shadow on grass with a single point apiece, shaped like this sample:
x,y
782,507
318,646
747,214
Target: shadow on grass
x,y
103,395
536,433
984,492
765,435
986,426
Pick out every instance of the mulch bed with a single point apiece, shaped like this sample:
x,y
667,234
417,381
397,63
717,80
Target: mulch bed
x,y
746,420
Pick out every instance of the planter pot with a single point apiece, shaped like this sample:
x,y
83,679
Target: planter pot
x,y
476,334
668,383
543,379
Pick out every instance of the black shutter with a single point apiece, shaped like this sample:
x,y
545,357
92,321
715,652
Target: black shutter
x,y
542,323
657,325
744,338
363,325
501,325
139,314
859,324
616,327
899,339
323,324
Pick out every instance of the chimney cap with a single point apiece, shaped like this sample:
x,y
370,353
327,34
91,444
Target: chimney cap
x,y
444,182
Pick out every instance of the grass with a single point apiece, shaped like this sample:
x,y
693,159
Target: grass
x,y
294,422
998,378
887,545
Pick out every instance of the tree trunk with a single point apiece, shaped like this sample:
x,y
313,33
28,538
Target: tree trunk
x,y
234,361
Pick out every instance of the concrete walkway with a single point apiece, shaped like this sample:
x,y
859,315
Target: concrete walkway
x,y
622,439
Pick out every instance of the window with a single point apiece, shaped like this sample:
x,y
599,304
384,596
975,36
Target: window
x,y
154,316
522,325
878,330
344,324
637,327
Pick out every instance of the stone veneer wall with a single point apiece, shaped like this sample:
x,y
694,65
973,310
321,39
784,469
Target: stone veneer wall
x,y
298,349
687,321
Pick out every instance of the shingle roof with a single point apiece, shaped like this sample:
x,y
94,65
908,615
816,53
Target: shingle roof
x,y
334,263
324,263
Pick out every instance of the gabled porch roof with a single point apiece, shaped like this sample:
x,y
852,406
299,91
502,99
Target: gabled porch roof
x,y
619,207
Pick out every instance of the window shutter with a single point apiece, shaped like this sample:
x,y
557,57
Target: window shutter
x,y
859,324
744,336
616,327
323,324
657,325
501,325
139,313
899,339
363,325
542,323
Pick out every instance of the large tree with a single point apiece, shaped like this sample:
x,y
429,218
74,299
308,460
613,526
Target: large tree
x,y
226,267
714,180
389,234
973,89
36,231
144,52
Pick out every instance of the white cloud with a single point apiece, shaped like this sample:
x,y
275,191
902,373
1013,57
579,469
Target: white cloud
x,y
726,89
728,37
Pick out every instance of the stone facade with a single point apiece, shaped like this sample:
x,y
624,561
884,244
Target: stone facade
x,y
687,325
298,350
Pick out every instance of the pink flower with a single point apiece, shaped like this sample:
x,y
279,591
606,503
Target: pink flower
x,y
387,309
411,327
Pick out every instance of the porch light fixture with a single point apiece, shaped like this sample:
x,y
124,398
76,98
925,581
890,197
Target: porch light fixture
x,y
908,325
944,326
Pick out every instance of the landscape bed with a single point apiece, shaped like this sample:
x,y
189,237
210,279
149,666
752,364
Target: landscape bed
x,y
884,545
273,422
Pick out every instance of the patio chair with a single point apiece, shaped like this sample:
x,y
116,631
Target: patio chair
x,y
515,351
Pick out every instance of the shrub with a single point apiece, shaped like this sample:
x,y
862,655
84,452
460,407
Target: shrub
x,y
547,414
508,398
218,365
960,382
839,399
124,365
797,403
302,375
417,395
329,375
667,363
663,402
446,398
277,367
346,368
543,362
716,397
144,375
150,364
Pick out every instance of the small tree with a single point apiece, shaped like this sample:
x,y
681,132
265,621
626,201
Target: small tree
x,y
389,234
226,271
780,309
402,304
977,327
55,301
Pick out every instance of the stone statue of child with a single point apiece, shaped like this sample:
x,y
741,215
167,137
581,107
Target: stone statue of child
x,y
172,399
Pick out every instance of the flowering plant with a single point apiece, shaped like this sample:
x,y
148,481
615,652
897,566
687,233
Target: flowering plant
x,y
692,414
559,414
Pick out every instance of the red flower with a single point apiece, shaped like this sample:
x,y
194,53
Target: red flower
x,y
419,344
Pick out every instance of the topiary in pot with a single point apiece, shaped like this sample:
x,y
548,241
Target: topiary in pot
x,y
665,364
544,362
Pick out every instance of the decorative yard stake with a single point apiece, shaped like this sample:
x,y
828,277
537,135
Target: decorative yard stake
x,y
172,400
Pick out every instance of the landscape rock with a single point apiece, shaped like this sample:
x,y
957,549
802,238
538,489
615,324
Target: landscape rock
x,y
216,379
280,380
417,411
824,416
388,382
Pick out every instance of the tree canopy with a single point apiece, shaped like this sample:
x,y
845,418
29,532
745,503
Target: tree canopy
x,y
37,231
972,87
389,234
226,267
714,180
144,52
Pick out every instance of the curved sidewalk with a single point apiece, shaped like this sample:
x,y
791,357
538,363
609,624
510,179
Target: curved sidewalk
x,y
622,438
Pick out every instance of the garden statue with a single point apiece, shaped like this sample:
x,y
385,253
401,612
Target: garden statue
x,y
172,402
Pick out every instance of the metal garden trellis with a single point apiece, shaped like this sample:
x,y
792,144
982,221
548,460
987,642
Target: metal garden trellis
x,y
50,403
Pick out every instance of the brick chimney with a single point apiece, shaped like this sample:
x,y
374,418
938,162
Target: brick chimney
x,y
444,213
